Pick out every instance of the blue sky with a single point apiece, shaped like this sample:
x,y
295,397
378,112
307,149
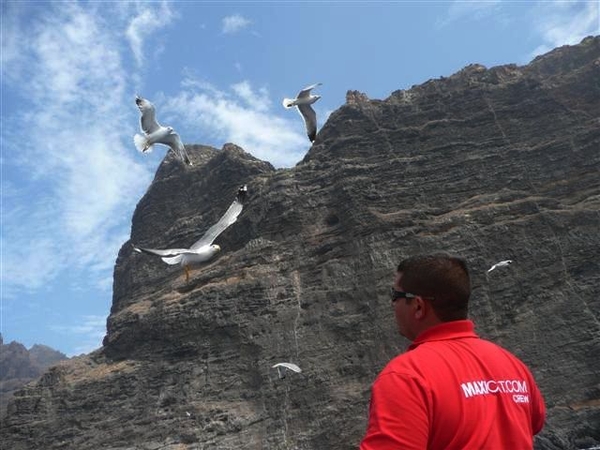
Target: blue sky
x,y
217,72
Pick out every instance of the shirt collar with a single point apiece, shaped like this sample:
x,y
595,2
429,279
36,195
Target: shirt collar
x,y
455,329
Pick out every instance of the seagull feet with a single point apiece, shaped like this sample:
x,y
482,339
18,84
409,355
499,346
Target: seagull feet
x,y
187,273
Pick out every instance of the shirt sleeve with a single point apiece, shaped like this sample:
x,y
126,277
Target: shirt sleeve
x,y
398,413
538,408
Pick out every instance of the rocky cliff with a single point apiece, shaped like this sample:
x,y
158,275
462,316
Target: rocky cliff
x,y
489,164
19,366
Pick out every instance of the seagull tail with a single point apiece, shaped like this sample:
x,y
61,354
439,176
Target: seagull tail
x,y
183,154
141,143
172,259
288,103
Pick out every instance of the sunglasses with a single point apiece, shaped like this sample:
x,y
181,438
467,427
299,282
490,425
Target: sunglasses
x,y
395,295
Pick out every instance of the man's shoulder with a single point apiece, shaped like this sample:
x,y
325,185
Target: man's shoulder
x,y
433,354
407,363
493,347
399,368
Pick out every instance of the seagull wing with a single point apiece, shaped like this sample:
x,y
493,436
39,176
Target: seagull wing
x,y
167,252
306,91
505,263
310,120
148,121
174,141
228,218
290,366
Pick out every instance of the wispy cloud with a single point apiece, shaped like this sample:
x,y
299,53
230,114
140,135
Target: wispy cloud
x,y
90,329
145,23
244,116
66,147
565,23
235,23
13,15
258,101
468,10
555,23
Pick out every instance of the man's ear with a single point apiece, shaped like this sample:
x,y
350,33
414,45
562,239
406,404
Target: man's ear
x,y
420,307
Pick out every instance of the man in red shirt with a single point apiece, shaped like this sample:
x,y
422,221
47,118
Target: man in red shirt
x,y
451,390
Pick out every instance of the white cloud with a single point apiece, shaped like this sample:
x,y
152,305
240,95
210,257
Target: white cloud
x,y
66,147
90,329
565,23
28,262
556,23
259,102
144,24
468,10
242,116
235,23
13,14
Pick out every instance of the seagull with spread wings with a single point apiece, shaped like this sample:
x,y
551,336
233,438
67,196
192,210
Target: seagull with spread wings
x,y
155,133
286,366
505,263
302,103
203,250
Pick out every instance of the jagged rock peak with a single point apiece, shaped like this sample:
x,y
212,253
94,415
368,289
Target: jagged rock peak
x,y
231,147
356,97
234,151
472,69
560,60
203,156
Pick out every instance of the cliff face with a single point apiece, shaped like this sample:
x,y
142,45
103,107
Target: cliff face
x,y
19,366
489,164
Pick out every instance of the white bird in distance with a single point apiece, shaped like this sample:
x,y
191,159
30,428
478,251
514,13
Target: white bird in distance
x,y
286,366
155,133
505,263
302,102
203,250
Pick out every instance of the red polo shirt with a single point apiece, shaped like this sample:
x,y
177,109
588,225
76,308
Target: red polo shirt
x,y
453,390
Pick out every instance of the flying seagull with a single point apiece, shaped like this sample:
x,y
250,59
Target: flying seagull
x,y
288,366
302,102
155,133
505,263
203,249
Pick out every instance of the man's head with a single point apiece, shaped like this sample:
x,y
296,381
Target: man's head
x,y
438,288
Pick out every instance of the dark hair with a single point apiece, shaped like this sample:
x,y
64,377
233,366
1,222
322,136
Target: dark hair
x,y
441,276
